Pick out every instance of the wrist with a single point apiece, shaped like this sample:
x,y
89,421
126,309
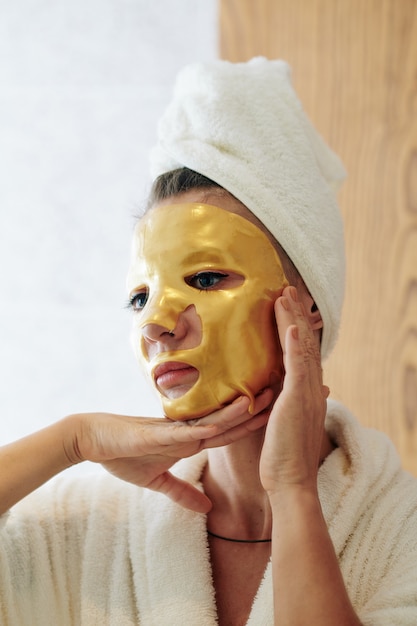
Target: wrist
x,y
70,429
294,495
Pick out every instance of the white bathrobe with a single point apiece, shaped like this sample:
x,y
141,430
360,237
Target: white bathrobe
x,y
98,551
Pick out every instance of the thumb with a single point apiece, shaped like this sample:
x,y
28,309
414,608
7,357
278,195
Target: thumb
x,y
181,492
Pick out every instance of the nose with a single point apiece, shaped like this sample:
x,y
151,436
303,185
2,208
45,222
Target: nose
x,y
161,315
157,333
184,334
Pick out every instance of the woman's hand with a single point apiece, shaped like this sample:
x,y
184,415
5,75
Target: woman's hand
x,y
141,450
303,555
293,443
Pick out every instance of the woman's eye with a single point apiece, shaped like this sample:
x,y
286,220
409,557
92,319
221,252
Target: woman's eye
x,y
138,301
205,280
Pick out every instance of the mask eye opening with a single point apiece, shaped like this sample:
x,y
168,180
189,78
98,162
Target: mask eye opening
x,y
206,280
138,299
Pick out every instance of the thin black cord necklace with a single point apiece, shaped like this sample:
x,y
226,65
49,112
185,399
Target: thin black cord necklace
x,y
238,540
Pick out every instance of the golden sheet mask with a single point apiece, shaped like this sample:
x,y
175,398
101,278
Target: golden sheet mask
x,y
239,348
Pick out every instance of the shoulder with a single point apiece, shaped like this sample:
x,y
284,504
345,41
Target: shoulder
x,y
362,483
370,505
369,499
364,448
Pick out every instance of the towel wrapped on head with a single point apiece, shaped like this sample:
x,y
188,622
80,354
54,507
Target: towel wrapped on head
x,y
243,126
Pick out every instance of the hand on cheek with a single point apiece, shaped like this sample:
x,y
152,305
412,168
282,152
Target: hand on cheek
x,y
293,441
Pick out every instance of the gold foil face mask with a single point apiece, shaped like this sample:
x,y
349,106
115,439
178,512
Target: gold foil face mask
x,y
180,254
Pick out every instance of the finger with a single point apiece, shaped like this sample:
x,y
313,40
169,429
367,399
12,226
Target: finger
x,y
310,350
162,433
158,434
237,412
296,370
263,401
181,492
238,432
290,311
256,420
304,367
284,318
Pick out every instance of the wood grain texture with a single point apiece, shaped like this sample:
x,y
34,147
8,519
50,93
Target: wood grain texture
x,y
355,69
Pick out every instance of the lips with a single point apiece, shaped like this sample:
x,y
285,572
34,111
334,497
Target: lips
x,y
174,373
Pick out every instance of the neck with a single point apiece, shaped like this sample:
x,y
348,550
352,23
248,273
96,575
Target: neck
x,y
231,480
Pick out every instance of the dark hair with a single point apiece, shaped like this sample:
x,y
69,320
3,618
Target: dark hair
x,y
178,181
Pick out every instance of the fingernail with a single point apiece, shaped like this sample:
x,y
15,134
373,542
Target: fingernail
x,y
293,294
294,332
284,304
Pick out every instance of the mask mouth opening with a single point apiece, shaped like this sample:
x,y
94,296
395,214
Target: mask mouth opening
x,y
173,379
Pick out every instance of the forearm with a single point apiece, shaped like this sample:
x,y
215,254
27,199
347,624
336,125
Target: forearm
x,y
29,462
140,450
308,584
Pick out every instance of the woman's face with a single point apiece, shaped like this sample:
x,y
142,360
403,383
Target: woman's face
x,y
202,283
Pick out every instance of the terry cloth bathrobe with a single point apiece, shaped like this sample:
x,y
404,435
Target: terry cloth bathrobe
x,y
98,551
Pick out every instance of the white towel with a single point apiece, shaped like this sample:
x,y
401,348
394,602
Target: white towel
x,y
102,552
243,126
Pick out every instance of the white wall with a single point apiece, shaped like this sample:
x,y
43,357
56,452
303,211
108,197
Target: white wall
x,y
82,84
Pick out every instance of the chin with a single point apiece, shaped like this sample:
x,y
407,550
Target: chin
x,y
181,414
181,409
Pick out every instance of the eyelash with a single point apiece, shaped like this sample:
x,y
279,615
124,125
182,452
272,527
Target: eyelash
x,y
131,302
216,275
143,294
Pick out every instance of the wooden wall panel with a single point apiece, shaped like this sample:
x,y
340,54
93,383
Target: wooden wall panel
x,y
355,68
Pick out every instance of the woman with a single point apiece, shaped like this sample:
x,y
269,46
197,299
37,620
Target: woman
x,y
293,513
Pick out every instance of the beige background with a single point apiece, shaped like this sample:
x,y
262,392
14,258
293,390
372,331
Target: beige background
x,y
355,68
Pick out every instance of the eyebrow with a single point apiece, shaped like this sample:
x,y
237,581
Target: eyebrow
x,y
211,255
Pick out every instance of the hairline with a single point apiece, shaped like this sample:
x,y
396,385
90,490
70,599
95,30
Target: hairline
x,y
173,184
